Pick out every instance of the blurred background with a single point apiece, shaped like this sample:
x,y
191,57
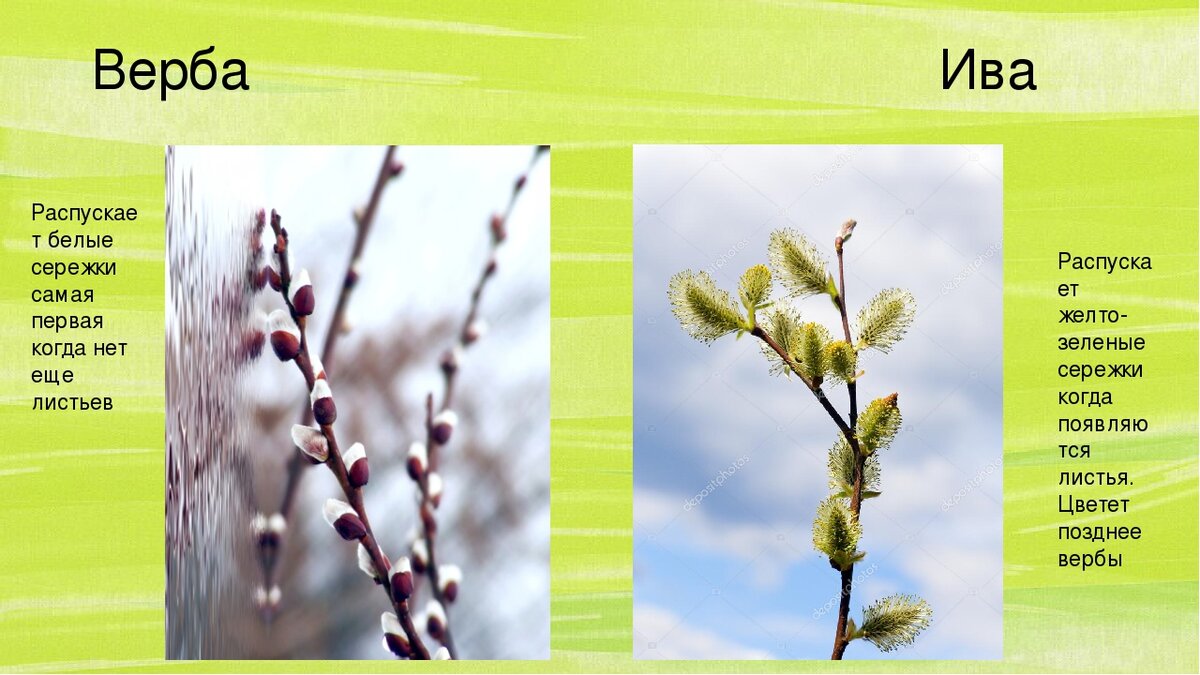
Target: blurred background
x,y
730,462
228,418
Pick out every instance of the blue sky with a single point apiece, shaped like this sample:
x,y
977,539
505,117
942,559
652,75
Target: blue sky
x,y
734,574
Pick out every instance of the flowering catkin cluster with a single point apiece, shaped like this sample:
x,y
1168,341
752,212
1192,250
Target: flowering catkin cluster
x,y
810,351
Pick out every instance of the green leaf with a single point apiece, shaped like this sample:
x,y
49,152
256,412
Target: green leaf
x,y
755,288
810,352
783,325
842,359
844,561
797,263
895,621
884,320
841,469
705,311
836,531
879,424
831,288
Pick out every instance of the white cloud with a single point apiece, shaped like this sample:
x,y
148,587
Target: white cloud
x,y
659,633
770,548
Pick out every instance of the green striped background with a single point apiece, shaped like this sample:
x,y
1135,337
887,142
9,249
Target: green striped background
x,y
1102,159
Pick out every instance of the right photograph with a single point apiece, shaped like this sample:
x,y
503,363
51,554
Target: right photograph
x,y
818,402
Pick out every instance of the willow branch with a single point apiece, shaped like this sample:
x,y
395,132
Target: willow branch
x,y
353,495
847,575
268,556
469,331
851,386
761,334
840,639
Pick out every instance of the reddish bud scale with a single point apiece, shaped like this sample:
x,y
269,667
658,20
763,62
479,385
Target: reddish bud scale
x,y
491,267
342,517
437,629
260,279
359,473
415,468
449,363
441,432
286,345
520,182
435,620
499,231
303,300
416,460
324,411
350,527
351,278
273,278
393,636
402,585
395,169
397,645
420,557
449,577
442,425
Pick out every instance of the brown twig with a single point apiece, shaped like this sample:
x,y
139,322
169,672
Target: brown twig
x,y
435,437
840,639
841,305
761,334
270,548
353,494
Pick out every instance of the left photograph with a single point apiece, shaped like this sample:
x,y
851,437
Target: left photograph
x,y
358,402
